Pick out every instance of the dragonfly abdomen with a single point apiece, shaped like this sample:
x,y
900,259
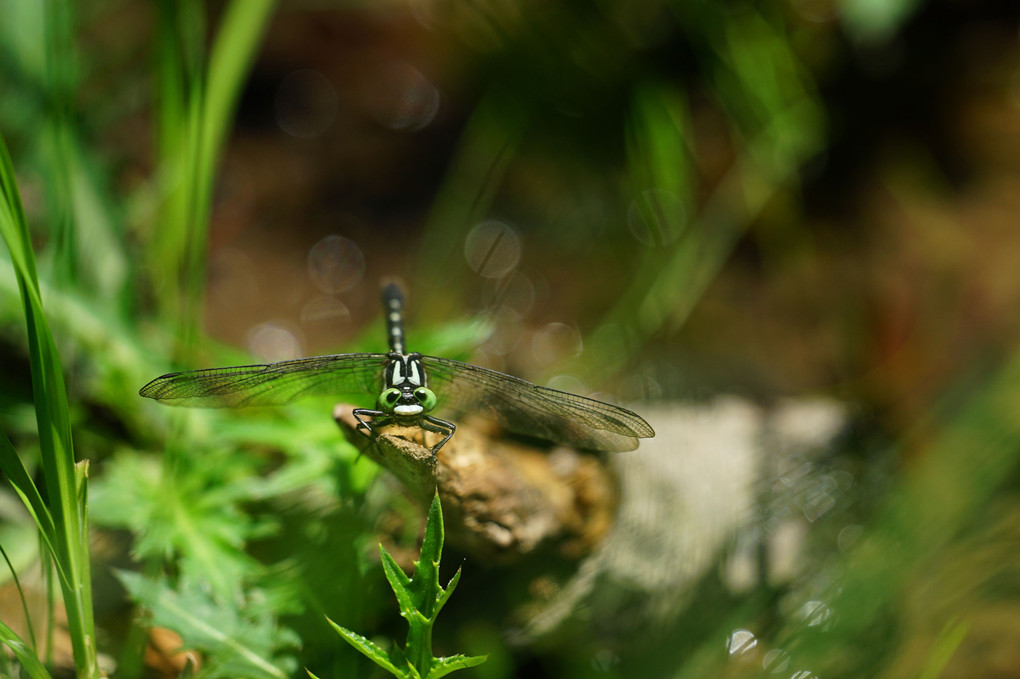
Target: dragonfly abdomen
x,y
393,303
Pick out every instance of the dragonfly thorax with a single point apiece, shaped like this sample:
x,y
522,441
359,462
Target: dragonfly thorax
x,y
405,390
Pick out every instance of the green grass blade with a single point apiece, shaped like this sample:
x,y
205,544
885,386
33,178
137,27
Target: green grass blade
x,y
178,38
486,149
29,662
21,596
58,83
659,189
12,466
12,216
194,118
70,543
948,641
233,53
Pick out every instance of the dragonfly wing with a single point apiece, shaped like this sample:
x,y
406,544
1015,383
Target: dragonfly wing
x,y
531,410
270,384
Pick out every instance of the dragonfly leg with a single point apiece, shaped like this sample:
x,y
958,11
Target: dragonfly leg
x,y
378,417
438,426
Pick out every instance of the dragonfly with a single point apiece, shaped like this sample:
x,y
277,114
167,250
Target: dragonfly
x,y
408,387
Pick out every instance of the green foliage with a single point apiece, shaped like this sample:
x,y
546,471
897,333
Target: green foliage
x,y
193,519
420,597
260,524
242,639
84,269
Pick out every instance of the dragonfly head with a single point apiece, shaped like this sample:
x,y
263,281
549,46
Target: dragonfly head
x,y
407,401
406,393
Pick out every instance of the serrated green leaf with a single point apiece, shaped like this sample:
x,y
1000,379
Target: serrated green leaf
x,y
371,650
394,573
425,587
445,595
399,659
432,544
420,600
453,663
399,583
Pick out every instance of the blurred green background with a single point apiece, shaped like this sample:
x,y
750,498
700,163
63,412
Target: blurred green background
x,y
663,200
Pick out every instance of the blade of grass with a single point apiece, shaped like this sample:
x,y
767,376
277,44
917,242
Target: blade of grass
x,y
58,83
195,109
976,453
63,485
179,36
25,655
487,148
661,185
12,466
21,595
85,249
777,124
194,117
948,641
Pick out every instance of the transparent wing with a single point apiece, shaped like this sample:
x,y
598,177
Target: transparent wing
x,y
271,384
531,410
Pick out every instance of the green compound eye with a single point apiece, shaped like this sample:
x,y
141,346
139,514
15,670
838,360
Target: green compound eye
x,y
388,399
426,398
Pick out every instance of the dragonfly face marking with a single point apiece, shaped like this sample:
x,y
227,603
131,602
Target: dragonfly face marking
x,y
406,394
